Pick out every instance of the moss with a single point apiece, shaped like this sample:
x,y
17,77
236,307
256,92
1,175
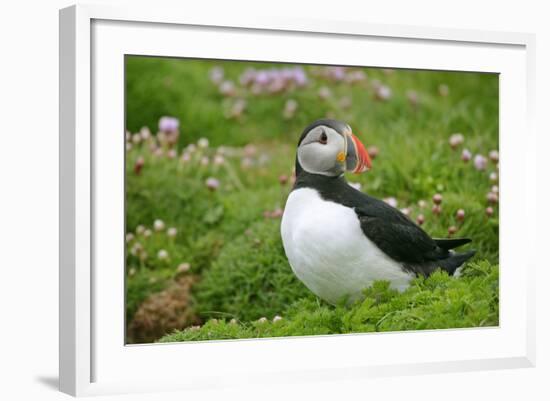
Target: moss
x,y
436,302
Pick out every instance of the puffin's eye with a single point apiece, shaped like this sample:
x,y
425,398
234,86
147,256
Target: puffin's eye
x,y
323,138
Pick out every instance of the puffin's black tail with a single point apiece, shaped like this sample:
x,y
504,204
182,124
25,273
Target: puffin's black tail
x,y
450,263
451,243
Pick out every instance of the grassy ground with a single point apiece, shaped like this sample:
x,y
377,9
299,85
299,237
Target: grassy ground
x,y
216,253
437,302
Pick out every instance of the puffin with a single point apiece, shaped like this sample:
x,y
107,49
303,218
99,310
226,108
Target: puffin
x,y
339,240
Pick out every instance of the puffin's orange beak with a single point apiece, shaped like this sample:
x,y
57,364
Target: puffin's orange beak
x,y
357,157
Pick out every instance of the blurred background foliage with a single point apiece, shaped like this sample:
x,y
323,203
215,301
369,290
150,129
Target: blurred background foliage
x,y
205,187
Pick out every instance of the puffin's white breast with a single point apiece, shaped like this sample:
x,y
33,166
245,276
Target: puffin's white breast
x,y
328,251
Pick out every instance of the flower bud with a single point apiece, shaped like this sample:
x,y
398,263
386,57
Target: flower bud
x,y
212,184
162,254
184,267
466,155
158,225
456,140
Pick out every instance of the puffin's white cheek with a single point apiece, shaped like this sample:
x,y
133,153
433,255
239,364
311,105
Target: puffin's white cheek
x,y
317,158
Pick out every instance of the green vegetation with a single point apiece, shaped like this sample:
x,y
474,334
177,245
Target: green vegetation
x,y
437,302
217,203
251,277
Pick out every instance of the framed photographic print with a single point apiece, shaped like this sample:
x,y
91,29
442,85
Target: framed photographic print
x,y
277,199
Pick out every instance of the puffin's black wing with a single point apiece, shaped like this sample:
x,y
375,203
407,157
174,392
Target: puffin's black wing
x,y
404,241
393,232
396,234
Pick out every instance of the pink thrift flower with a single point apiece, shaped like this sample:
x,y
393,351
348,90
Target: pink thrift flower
x,y
437,199
203,143
247,77
216,75
383,92
493,155
184,267
356,76
158,225
337,73
391,201
227,88
212,184
480,162
466,155
250,150
299,76
145,133
373,151
492,197
219,160
456,140
291,106
262,78
168,124
162,254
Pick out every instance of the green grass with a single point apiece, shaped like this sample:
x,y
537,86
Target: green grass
x,y
235,252
437,302
251,278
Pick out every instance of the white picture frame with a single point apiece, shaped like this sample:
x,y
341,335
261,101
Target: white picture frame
x,y
93,356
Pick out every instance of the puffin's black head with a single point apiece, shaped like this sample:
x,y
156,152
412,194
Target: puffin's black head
x,y
328,147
